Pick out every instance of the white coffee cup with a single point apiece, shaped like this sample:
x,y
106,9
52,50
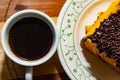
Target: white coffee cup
x,y
5,43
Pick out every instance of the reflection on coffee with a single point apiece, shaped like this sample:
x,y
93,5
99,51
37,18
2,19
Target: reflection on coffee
x,y
30,38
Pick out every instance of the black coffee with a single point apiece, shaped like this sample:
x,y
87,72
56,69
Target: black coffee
x,y
30,38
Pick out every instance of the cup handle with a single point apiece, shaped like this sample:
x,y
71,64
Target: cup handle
x,y
29,72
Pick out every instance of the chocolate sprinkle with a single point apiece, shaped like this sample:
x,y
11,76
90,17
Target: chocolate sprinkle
x,y
107,37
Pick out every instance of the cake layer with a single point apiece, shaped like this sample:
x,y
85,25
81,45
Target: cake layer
x,y
102,38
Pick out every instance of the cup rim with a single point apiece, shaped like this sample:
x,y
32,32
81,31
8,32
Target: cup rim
x,y
10,54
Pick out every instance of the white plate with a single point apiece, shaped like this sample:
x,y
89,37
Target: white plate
x,y
79,64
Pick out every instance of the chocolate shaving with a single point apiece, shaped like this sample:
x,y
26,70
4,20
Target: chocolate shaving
x,y
107,37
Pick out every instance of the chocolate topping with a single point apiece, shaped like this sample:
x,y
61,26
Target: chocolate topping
x,y
107,37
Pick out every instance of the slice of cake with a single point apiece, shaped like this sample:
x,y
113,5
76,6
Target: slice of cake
x,y
103,37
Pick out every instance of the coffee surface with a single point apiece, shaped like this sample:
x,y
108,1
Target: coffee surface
x,y
30,38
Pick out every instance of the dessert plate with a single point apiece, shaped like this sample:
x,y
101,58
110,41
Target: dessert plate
x,y
78,63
